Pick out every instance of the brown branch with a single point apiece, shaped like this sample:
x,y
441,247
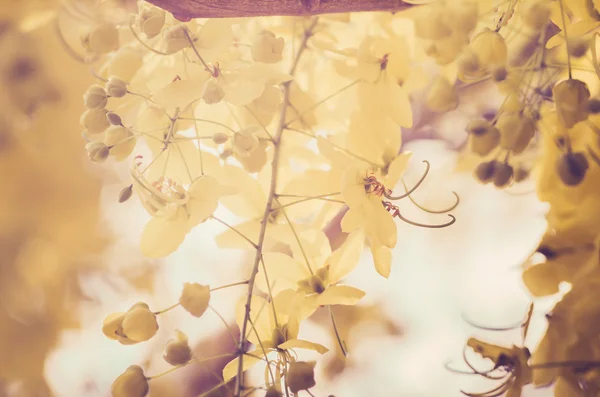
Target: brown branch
x,y
187,9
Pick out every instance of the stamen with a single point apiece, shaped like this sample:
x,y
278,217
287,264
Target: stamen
x,y
411,191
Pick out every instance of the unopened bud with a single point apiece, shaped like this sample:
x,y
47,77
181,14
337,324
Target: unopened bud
x,y
178,350
125,193
571,98
503,174
212,91
95,98
521,174
485,171
572,167
151,20
219,138
114,119
94,120
131,383
116,87
195,298
301,376
97,151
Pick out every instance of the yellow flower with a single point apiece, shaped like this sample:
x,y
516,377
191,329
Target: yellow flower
x,y
319,285
276,327
367,211
174,210
383,67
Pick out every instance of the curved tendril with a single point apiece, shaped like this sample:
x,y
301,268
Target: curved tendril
x,y
439,226
485,374
414,188
419,206
458,371
508,328
65,44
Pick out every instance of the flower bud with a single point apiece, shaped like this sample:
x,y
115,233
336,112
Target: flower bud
x,y
178,350
485,171
219,138
139,324
490,49
442,95
125,193
516,131
212,92
571,98
195,298
483,137
468,66
521,174
102,39
114,119
97,151
116,87
572,167
267,48
121,140
94,120
111,325
131,383
301,375
95,98
503,174
245,142
151,21
175,39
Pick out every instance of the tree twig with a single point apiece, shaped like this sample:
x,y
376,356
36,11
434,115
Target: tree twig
x,y
268,208
187,9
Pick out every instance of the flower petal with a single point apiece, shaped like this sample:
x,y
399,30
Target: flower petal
x,y
282,271
396,168
341,295
399,105
382,256
162,236
345,258
250,359
353,219
303,344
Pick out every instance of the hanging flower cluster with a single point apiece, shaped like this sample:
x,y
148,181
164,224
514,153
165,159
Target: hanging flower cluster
x,y
232,113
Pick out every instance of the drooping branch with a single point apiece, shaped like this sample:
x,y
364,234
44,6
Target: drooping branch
x,y
186,9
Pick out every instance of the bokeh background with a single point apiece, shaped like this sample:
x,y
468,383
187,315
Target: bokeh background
x,y
69,254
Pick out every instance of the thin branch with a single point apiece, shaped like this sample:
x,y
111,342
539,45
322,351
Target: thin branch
x,y
187,9
269,205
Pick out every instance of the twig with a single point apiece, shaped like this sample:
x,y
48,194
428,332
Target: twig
x,y
269,204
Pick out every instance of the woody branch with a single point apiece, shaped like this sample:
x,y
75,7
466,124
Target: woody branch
x,y
185,9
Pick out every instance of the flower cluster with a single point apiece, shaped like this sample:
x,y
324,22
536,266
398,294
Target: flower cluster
x,y
231,114
541,56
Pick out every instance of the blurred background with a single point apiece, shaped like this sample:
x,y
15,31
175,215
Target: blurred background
x,y
69,255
